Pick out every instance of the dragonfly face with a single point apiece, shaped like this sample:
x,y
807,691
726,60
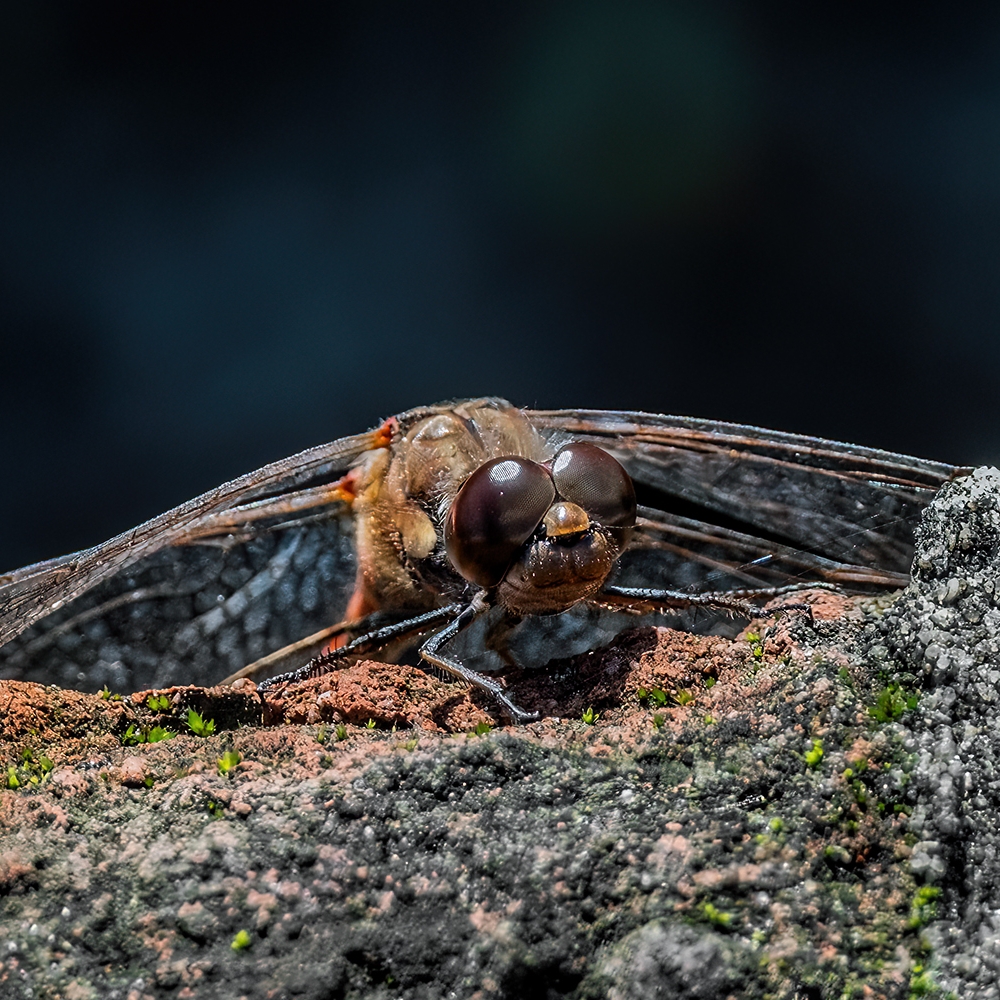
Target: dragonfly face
x,y
536,510
478,499
545,535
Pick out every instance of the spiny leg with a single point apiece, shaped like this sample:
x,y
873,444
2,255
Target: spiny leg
x,y
368,643
737,604
455,667
312,646
307,648
769,593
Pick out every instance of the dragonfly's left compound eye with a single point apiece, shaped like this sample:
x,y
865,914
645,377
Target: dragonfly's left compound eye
x,y
496,511
589,476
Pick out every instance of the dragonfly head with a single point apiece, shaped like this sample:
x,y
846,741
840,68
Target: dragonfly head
x,y
542,535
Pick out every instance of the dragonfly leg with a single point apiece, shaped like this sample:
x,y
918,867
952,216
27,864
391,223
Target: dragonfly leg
x,y
654,599
768,593
312,646
453,666
369,643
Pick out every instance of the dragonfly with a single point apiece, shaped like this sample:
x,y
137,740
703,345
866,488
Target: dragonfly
x,y
446,515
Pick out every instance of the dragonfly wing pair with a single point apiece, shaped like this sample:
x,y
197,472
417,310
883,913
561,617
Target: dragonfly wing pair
x,y
268,559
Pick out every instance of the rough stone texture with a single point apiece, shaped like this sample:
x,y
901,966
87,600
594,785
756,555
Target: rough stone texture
x,y
943,636
807,811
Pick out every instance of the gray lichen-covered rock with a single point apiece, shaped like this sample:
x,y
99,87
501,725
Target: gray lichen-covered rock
x,y
945,632
675,962
808,811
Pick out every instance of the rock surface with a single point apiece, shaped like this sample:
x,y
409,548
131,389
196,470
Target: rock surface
x,y
943,637
807,811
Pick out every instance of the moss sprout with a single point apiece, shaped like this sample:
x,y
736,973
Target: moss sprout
x,y
228,761
815,755
199,725
892,702
720,918
133,736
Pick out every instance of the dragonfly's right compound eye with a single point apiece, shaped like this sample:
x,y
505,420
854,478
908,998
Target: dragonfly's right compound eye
x,y
589,476
496,511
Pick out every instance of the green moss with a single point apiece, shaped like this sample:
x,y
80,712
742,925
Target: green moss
x,y
720,918
892,702
815,755
31,769
655,696
228,761
242,941
922,983
198,725
145,734
923,909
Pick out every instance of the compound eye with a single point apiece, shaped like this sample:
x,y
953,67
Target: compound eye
x,y
589,476
496,511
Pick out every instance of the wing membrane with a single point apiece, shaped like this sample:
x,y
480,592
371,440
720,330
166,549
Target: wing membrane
x,y
32,592
191,613
267,559
200,591
727,495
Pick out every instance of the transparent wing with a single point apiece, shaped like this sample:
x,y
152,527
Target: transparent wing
x,y
267,559
728,506
194,593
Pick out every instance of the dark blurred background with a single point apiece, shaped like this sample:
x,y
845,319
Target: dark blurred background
x,y
229,233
